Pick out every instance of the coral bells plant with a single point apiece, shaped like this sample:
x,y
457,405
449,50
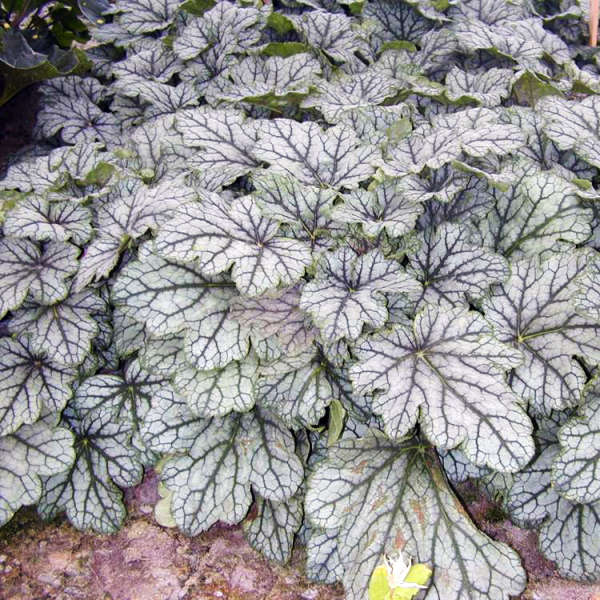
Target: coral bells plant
x,y
323,258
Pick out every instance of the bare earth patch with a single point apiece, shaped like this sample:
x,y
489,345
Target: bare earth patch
x,y
145,561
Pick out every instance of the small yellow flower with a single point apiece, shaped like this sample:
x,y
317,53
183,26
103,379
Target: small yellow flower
x,y
396,579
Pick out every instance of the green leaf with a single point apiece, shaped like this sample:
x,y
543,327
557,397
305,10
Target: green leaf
x,y
337,417
533,311
447,372
383,497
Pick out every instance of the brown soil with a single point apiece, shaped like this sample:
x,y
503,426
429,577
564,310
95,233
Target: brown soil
x,y
144,561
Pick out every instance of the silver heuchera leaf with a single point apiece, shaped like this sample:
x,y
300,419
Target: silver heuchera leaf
x,y
587,298
225,137
456,386
217,236
576,470
534,312
25,269
105,458
452,268
306,209
274,527
130,209
212,483
346,92
29,382
170,426
296,388
384,207
269,79
220,391
334,157
383,497
63,331
164,295
332,33
37,218
537,213
477,132
145,16
30,452
277,315
348,289
488,88
226,27
573,125
323,561
570,533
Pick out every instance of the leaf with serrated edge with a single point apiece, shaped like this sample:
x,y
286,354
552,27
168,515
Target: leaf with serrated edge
x,y
452,268
31,451
348,289
217,236
105,459
64,331
212,483
533,311
334,157
164,295
273,529
569,533
220,391
43,221
384,207
29,382
384,497
576,470
447,372
24,268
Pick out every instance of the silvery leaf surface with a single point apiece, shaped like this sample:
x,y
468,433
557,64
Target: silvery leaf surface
x,y
383,497
30,452
25,269
213,481
447,372
29,382
105,461
63,331
569,533
533,311
37,218
334,157
576,469
348,289
452,267
219,236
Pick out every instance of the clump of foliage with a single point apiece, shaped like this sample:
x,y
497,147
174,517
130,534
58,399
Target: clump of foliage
x,y
326,257
36,38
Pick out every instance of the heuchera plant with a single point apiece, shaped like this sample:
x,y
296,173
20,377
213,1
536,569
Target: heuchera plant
x,y
324,257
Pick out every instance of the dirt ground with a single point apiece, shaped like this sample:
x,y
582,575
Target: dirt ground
x,y
144,561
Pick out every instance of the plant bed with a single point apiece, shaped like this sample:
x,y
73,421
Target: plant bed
x,y
318,264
